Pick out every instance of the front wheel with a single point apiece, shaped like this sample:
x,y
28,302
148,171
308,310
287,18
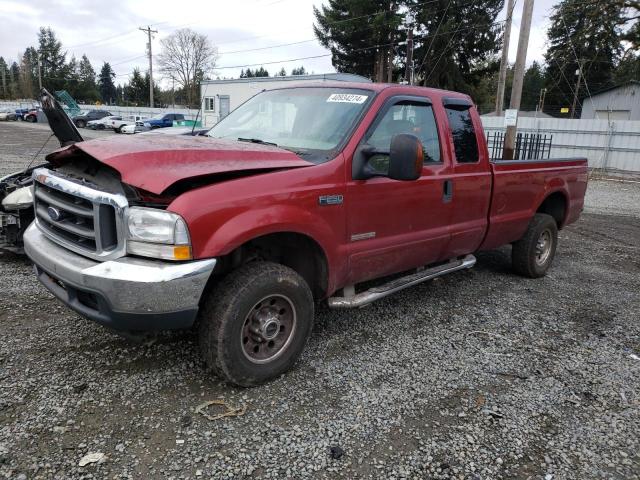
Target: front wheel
x,y
254,326
533,254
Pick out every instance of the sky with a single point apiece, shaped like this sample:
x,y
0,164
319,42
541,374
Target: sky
x,y
246,32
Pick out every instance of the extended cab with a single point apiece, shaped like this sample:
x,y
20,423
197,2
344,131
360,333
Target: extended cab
x,y
299,195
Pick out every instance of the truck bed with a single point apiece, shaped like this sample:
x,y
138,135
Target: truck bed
x,y
520,188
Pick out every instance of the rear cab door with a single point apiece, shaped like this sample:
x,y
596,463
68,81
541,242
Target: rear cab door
x,y
397,225
470,175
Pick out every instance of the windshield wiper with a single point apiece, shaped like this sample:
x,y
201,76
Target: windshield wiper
x,y
256,140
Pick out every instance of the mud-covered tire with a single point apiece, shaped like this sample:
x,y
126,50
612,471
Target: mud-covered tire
x,y
533,254
241,302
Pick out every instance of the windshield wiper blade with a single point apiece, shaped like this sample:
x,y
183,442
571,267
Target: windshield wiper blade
x,y
256,140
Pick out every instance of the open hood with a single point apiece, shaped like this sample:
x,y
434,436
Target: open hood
x,y
156,162
60,123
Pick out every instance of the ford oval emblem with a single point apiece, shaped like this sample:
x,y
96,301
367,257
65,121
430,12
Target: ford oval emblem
x,y
54,214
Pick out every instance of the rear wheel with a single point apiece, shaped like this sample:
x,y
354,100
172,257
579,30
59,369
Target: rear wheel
x,y
80,123
533,254
118,130
254,326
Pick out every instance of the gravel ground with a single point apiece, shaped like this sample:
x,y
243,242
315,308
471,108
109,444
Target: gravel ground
x,y
478,375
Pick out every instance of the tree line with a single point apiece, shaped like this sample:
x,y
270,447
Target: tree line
x,y
186,58
457,45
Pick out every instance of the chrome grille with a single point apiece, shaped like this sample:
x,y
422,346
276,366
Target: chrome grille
x,y
79,217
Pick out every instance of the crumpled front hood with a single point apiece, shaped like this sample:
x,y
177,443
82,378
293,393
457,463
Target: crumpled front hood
x,y
155,162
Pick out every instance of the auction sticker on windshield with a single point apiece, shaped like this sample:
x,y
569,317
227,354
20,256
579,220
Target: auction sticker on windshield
x,y
346,98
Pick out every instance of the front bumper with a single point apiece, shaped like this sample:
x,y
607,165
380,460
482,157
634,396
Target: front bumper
x,y
127,294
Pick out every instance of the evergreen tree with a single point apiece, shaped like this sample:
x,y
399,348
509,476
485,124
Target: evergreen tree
x,y
135,89
360,34
261,72
298,71
281,73
532,84
4,79
456,43
52,60
28,78
87,88
14,79
106,86
585,32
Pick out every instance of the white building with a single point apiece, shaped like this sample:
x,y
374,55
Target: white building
x,y
219,97
621,102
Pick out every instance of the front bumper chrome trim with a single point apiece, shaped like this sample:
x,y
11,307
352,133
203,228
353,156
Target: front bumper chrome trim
x,y
122,290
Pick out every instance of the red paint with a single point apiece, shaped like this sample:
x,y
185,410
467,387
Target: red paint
x,y
492,203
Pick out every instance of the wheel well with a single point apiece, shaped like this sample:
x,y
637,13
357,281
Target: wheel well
x,y
294,250
556,206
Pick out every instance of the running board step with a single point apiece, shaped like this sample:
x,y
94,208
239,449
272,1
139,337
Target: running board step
x,y
376,293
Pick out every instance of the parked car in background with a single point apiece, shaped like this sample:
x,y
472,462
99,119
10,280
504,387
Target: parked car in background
x,y
7,114
81,121
101,124
161,120
117,125
21,112
32,115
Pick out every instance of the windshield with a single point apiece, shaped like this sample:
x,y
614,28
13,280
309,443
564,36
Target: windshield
x,y
311,121
159,116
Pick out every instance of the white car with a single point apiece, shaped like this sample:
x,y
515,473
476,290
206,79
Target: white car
x,y
119,125
103,123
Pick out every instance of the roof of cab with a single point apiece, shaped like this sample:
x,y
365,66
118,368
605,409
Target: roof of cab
x,y
377,87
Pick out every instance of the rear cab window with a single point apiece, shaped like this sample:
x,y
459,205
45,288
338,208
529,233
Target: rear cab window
x,y
465,141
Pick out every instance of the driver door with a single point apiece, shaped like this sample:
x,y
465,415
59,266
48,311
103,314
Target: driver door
x,y
398,225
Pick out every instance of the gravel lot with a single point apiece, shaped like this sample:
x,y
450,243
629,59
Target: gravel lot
x,y
478,375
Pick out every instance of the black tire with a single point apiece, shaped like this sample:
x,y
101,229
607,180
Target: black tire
x,y
531,256
241,301
31,119
80,123
118,130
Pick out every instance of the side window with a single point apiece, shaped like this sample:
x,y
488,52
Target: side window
x,y
210,104
415,118
464,136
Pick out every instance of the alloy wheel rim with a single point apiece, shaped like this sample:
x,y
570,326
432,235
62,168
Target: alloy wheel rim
x,y
268,329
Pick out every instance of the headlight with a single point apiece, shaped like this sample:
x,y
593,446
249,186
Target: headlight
x,y
18,199
157,233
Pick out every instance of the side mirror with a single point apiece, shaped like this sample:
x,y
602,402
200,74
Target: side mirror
x,y
406,157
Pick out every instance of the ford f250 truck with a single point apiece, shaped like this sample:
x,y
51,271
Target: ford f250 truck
x,y
300,195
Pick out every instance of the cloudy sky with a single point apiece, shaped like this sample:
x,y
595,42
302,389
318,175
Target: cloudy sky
x,y
247,32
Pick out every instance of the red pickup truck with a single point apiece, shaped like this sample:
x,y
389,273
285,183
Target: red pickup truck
x,y
298,196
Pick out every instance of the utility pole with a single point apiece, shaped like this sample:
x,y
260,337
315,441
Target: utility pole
x,y
148,31
408,75
504,61
518,77
543,94
575,94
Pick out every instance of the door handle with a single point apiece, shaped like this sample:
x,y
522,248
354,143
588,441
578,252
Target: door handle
x,y
447,191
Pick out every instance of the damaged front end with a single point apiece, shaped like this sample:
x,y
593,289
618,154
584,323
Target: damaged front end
x,y
16,189
16,209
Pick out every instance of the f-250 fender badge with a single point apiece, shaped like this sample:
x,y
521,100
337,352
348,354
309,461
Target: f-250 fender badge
x,y
330,199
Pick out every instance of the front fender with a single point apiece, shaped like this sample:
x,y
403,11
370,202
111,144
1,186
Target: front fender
x,y
257,222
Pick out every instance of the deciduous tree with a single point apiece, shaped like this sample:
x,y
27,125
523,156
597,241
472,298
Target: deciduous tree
x,y
185,58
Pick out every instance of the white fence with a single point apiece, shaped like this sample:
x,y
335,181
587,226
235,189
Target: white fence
x,y
607,145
